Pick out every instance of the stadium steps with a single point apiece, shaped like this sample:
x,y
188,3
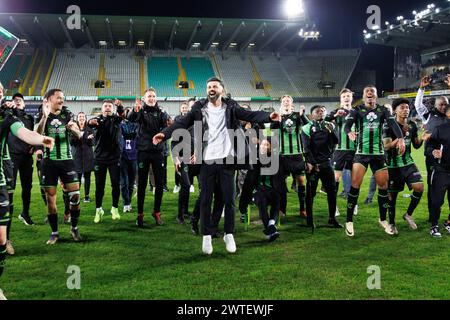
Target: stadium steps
x,y
257,78
215,66
14,69
198,70
44,72
38,71
142,75
29,73
162,75
44,86
181,76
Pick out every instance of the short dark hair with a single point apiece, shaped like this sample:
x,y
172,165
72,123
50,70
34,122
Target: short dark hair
x,y
212,79
107,101
398,102
191,99
316,107
51,92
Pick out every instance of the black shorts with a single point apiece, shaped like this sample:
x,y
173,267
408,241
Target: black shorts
x,y
376,163
4,206
54,170
399,176
343,160
8,169
293,165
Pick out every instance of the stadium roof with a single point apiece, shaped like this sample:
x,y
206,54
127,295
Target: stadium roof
x,y
160,33
427,29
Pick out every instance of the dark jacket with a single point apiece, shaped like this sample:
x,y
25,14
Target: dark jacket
x,y
319,143
107,138
82,151
151,120
233,114
17,146
441,139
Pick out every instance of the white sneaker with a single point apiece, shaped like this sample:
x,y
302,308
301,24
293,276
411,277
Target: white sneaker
x,y
355,212
391,230
229,242
192,189
176,189
2,296
98,215
349,231
207,247
412,225
384,224
337,214
9,248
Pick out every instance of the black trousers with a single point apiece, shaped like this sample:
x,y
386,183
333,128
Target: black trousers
x,y
23,164
326,175
430,163
210,174
217,205
265,198
87,182
156,160
440,184
247,191
101,168
186,178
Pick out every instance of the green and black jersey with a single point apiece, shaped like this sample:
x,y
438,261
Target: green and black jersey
x,y
8,123
55,127
410,133
369,128
289,133
344,144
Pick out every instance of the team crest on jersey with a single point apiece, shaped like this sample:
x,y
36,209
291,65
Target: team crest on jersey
x,y
371,117
56,123
288,125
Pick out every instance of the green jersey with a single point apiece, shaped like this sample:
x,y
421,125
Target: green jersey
x,y
394,158
8,123
55,127
344,144
369,125
289,133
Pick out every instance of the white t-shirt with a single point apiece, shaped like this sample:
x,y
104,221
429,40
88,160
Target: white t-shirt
x,y
218,144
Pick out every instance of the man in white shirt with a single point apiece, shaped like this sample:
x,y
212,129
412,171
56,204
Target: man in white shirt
x,y
217,115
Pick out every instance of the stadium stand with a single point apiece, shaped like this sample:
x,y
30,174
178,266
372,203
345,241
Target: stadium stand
x,y
198,71
15,69
314,66
163,76
122,75
74,73
237,74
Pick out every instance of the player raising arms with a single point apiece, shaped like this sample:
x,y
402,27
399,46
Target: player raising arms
x,y
56,121
345,149
401,167
369,119
291,150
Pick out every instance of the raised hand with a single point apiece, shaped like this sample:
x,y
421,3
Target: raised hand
x,y
425,82
157,139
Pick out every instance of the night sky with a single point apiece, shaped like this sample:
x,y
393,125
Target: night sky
x,y
340,22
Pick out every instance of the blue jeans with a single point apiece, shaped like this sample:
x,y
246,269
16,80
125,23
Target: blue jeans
x,y
128,170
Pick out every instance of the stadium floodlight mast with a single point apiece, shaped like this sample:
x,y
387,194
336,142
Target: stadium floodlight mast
x,y
294,8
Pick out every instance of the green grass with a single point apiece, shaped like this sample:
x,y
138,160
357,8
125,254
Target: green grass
x,y
118,261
